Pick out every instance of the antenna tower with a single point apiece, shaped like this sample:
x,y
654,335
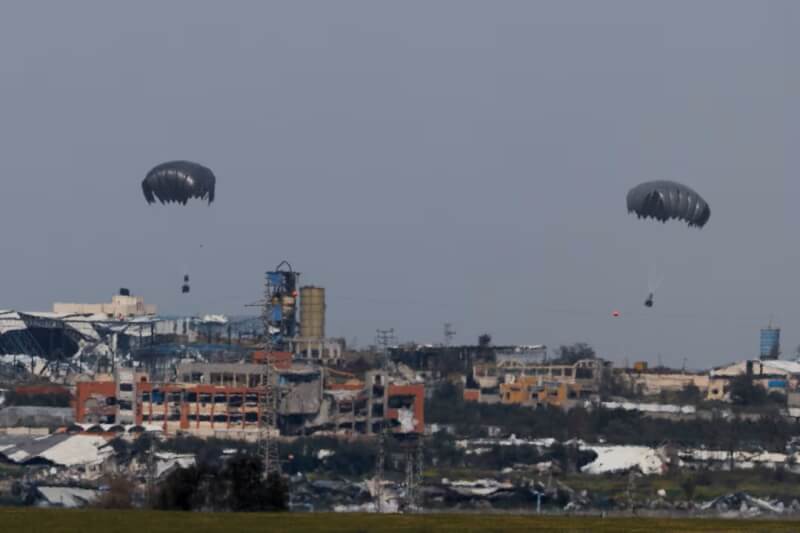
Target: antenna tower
x,y
383,338
449,333
267,442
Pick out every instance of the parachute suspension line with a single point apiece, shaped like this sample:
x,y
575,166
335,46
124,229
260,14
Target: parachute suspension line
x,y
654,279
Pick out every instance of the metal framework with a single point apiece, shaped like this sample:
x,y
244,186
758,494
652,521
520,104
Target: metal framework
x,y
411,475
379,468
383,337
267,444
278,314
411,443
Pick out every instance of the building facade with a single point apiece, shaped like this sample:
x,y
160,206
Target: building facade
x,y
224,401
121,306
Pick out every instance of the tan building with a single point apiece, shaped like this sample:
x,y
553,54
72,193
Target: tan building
x,y
653,383
522,383
121,306
533,392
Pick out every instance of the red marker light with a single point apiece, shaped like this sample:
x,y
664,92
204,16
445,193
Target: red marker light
x,y
615,314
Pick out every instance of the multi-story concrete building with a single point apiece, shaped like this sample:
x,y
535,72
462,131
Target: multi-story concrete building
x,y
491,383
223,400
533,392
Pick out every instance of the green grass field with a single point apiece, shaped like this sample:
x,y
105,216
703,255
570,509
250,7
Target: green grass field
x,y
30,520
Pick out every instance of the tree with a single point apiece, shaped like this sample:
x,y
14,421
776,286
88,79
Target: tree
x,y
119,494
615,384
237,485
569,355
745,392
247,490
277,494
688,485
180,490
690,394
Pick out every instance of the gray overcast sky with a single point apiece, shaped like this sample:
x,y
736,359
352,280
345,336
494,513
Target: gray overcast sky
x,y
425,161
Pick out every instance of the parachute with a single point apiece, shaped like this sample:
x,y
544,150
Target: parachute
x,y
665,200
178,181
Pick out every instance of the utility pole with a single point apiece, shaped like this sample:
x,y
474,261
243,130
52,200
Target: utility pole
x,y
420,464
383,339
631,491
151,472
379,469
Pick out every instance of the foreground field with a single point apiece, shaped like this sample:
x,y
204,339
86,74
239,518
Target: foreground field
x,y
89,521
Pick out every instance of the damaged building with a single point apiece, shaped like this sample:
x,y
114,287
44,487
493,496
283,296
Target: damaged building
x,y
223,400
520,382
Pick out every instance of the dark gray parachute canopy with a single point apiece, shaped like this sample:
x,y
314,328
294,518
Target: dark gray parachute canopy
x,y
178,181
664,200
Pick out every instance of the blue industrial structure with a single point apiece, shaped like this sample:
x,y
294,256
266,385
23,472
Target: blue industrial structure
x,y
281,308
770,342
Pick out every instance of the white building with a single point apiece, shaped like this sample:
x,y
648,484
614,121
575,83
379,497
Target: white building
x,y
773,375
121,306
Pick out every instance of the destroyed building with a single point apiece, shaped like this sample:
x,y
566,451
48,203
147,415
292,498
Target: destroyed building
x,y
223,400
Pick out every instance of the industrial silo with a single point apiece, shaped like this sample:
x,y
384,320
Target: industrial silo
x,y
312,312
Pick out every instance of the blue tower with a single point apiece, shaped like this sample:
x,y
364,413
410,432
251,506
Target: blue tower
x,y
281,305
770,342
